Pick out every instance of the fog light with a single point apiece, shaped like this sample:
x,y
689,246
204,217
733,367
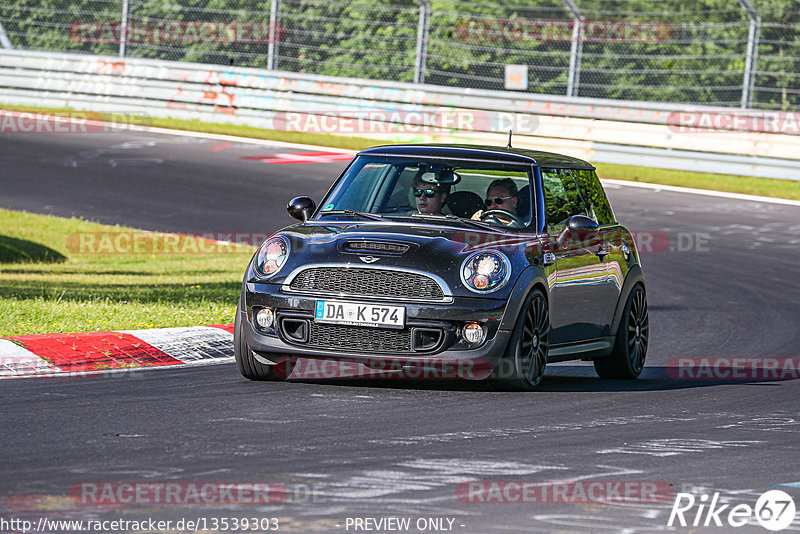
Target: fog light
x,y
473,333
265,317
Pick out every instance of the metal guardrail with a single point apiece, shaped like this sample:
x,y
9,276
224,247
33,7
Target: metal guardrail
x,y
634,133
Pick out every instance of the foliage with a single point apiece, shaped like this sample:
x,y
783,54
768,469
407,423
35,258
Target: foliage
x,y
594,196
697,54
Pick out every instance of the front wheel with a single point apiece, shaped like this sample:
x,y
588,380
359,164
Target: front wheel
x,y
626,361
250,368
522,368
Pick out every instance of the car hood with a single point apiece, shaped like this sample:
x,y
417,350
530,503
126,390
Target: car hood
x,y
439,249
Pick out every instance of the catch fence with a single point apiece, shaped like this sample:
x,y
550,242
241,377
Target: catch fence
x,y
724,53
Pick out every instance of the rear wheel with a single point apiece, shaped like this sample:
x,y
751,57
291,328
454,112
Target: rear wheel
x,y
630,349
523,367
245,360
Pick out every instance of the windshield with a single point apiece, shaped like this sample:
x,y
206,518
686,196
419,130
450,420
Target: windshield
x,y
498,194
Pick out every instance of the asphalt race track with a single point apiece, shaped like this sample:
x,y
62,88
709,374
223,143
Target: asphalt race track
x,y
722,282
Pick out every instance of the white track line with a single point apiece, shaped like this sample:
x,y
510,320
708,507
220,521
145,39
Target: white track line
x,y
236,139
706,192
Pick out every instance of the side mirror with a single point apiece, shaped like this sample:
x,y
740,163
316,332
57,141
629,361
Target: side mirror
x,y
580,226
301,208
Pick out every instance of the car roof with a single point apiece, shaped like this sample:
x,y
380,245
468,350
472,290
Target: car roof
x,y
479,152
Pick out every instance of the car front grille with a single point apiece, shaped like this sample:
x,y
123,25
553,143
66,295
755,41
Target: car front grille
x,y
359,338
368,282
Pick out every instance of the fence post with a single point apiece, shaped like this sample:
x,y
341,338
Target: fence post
x,y
274,34
576,49
422,40
4,42
752,53
123,28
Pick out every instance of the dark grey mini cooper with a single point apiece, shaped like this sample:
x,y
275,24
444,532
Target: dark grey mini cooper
x,y
440,261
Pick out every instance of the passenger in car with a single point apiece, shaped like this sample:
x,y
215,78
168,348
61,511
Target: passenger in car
x,y
502,194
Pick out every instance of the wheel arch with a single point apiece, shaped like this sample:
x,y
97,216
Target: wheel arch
x,y
531,278
635,276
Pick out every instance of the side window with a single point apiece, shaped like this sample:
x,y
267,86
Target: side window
x,y
594,196
562,199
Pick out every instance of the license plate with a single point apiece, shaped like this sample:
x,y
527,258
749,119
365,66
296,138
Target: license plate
x,y
360,314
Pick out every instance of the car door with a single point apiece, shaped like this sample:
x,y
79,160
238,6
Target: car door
x,y
611,243
579,284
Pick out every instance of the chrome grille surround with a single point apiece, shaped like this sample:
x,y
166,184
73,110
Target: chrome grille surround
x,y
366,281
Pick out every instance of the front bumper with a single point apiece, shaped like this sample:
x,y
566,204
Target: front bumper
x,y
296,335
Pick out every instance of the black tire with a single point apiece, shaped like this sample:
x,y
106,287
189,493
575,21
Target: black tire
x,y
248,365
523,365
626,360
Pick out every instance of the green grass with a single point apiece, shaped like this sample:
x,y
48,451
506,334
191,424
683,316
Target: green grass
x,y
49,283
767,187
719,182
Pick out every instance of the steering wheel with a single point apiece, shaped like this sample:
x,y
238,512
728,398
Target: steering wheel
x,y
503,217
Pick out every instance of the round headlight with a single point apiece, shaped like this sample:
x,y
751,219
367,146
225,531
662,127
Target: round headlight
x,y
272,255
484,272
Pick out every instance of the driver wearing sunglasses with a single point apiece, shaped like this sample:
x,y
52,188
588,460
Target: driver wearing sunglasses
x,y
430,198
501,195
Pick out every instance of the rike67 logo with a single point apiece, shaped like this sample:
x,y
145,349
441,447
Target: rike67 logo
x,y
774,510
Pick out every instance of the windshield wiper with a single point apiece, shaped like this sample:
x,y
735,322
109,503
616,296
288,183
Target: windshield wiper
x,y
353,213
449,217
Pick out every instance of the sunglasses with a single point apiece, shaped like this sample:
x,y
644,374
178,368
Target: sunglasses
x,y
496,200
429,193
